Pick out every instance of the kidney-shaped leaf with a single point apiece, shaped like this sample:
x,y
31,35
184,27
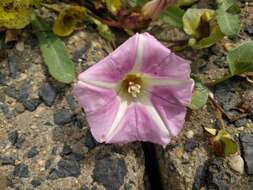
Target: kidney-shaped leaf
x,y
240,59
54,53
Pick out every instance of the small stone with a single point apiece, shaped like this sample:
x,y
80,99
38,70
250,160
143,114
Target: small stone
x,y
66,150
89,141
190,145
72,103
32,104
48,94
23,92
84,188
200,176
2,79
65,168
12,63
19,142
247,151
36,182
19,108
13,137
236,163
20,46
62,117
110,172
249,30
21,170
241,122
5,110
48,164
32,152
189,134
7,160
11,91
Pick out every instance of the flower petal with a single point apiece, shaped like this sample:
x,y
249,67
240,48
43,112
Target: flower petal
x,y
116,65
171,102
160,61
141,124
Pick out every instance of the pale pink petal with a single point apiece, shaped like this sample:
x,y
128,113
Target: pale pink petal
x,y
100,105
160,61
116,65
139,125
171,102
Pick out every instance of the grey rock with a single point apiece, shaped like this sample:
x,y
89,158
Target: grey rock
x,y
36,182
110,172
32,104
190,145
72,103
11,91
12,63
200,176
6,111
21,170
65,168
7,160
66,150
84,188
241,122
2,79
19,108
20,142
89,141
249,30
32,152
62,117
23,92
48,94
13,137
247,151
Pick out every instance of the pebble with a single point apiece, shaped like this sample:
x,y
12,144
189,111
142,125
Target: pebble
x,y
36,182
6,111
71,101
236,163
249,30
62,117
241,122
48,94
32,104
32,152
189,134
20,46
84,188
190,145
89,141
12,63
247,151
110,172
19,142
19,108
2,79
200,177
7,160
21,170
66,150
65,168
13,137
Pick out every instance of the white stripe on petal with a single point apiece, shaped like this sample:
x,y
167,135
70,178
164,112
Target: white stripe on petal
x,y
123,105
154,115
139,54
100,84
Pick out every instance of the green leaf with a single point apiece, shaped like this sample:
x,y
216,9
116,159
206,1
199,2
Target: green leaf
x,y
185,2
53,51
229,23
113,5
103,30
135,3
200,95
240,59
173,16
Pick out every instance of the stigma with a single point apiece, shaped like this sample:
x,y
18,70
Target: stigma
x,y
134,89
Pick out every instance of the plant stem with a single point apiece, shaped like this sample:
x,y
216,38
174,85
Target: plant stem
x,y
217,81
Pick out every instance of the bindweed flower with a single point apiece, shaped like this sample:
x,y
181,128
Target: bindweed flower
x,y
139,92
152,9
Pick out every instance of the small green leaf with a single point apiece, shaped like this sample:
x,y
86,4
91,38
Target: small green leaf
x,y
185,2
229,23
135,3
173,15
113,5
240,59
200,95
53,51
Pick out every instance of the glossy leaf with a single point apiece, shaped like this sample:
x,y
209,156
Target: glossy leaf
x,y
185,2
135,3
240,59
200,95
173,16
67,20
54,53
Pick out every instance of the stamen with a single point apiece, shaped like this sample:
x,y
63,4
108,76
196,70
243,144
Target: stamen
x,y
134,89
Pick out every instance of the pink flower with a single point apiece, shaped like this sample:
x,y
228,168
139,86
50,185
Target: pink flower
x,y
153,9
138,92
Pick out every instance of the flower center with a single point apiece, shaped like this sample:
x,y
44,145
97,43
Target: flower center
x,y
132,86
